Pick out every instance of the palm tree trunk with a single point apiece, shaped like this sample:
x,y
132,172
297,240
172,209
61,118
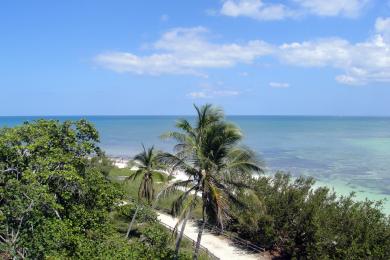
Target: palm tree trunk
x,y
180,237
196,253
132,222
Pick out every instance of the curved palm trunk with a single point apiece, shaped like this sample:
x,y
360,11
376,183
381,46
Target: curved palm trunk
x,y
200,233
132,222
180,237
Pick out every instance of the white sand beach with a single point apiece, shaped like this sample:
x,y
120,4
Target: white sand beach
x,y
220,246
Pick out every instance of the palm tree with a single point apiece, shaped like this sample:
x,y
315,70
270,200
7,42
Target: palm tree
x,y
209,154
149,169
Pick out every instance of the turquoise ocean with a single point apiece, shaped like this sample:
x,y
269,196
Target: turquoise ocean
x,y
344,153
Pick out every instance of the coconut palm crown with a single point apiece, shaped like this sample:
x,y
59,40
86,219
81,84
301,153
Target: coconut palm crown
x,y
149,169
209,153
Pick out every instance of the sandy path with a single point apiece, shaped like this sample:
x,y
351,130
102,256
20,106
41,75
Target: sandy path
x,y
219,246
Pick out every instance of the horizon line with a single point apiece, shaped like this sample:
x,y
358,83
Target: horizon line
x,y
178,115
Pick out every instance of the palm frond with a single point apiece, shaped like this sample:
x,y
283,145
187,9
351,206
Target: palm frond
x,y
219,204
135,175
176,163
179,137
209,153
177,205
243,160
187,208
149,168
159,176
172,188
227,192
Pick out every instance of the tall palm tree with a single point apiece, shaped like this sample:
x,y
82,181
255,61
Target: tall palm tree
x,y
209,153
148,169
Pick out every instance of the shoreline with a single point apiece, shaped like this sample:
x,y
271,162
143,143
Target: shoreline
x,y
122,163
340,188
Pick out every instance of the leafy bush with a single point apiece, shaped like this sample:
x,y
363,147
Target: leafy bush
x,y
52,198
302,222
56,199
156,237
145,213
103,163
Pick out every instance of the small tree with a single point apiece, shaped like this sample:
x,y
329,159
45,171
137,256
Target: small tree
x,y
51,197
148,169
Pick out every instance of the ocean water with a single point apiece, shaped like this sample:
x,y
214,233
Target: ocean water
x,y
344,153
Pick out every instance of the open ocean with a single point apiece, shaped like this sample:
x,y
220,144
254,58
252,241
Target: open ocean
x,y
345,153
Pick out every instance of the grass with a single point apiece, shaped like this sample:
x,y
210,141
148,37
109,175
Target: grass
x,y
131,190
115,172
121,225
164,204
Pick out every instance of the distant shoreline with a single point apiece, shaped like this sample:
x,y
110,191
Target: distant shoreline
x,y
340,188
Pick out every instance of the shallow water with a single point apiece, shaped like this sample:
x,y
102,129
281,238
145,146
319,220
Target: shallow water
x,y
347,153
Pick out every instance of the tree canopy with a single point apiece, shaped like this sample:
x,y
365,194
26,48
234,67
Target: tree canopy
x,y
52,199
57,200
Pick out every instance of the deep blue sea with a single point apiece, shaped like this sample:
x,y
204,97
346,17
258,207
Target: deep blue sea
x,y
345,153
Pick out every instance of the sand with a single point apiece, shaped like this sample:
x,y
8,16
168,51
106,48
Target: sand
x,y
219,246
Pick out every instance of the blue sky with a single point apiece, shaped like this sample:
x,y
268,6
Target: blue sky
x,y
300,57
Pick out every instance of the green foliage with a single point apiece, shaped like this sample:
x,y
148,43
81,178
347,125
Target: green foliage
x,y
145,213
149,170
153,244
150,240
57,202
53,198
116,172
103,163
304,222
156,241
209,152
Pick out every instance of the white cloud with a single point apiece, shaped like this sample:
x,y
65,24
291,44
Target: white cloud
x,y
209,93
189,51
318,53
226,93
184,51
154,64
382,26
361,63
256,9
348,8
349,80
213,90
266,10
279,85
198,94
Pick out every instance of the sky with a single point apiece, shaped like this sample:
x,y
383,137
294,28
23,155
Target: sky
x,y
251,57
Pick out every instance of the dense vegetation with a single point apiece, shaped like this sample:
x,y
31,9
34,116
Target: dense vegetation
x,y
57,203
291,216
60,198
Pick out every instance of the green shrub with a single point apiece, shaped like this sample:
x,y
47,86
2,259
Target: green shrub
x,y
56,202
145,213
302,222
